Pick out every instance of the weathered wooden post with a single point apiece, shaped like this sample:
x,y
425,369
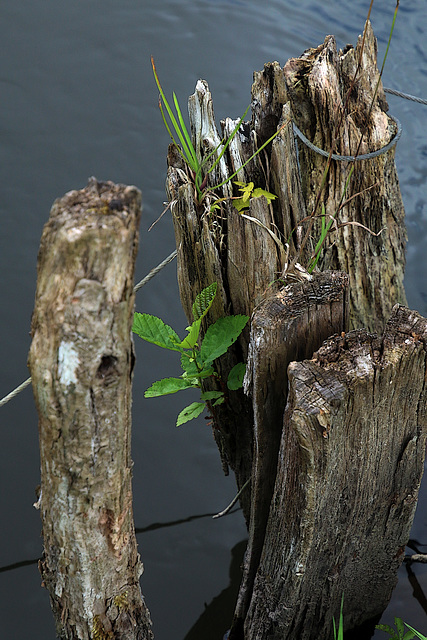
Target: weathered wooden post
x,y
81,361
332,98
349,469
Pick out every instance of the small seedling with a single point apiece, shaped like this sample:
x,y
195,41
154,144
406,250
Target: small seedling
x,y
196,359
339,634
400,633
249,191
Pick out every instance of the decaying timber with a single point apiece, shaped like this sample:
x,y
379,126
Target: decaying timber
x,y
335,113
236,252
287,326
349,469
81,361
328,95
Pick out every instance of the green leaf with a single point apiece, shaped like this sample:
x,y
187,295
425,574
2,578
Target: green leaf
x,y
417,633
193,334
191,370
220,336
399,626
387,629
167,385
219,401
185,132
240,204
236,375
192,411
153,329
257,193
189,154
247,189
249,192
203,301
212,395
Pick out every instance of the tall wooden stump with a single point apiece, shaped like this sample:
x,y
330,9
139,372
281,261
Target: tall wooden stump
x,y
81,361
331,96
287,326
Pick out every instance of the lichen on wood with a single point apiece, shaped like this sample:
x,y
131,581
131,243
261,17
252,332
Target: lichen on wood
x,y
81,362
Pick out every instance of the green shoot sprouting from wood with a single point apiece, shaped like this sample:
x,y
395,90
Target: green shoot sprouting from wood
x,y
339,634
199,168
241,203
196,359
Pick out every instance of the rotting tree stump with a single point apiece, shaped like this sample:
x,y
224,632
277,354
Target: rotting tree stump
x,y
242,256
328,95
81,362
349,469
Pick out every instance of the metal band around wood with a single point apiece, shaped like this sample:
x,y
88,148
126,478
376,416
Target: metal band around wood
x,y
363,156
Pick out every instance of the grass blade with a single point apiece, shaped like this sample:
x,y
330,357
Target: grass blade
x,y
251,158
184,130
225,143
188,156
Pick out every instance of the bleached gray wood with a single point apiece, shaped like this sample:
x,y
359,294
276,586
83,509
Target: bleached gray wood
x,y
331,114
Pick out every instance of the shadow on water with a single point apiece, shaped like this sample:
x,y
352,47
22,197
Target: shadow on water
x,y
216,617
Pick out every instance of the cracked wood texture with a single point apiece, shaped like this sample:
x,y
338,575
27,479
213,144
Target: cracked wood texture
x,y
81,361
334,112
317,92
287,326
349,469
237,253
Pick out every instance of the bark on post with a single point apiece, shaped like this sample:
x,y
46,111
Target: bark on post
x,y
349,469
81,361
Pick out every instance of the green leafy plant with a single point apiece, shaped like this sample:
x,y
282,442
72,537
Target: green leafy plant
x,y
249,191
199,169
196,359
400,633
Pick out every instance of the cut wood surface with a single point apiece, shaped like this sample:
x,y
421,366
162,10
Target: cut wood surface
x,y
349,470
81,362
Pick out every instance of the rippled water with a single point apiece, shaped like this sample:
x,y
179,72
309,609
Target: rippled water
x,y
78,99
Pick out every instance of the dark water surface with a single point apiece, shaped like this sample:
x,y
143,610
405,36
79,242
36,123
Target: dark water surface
x,y
78,99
